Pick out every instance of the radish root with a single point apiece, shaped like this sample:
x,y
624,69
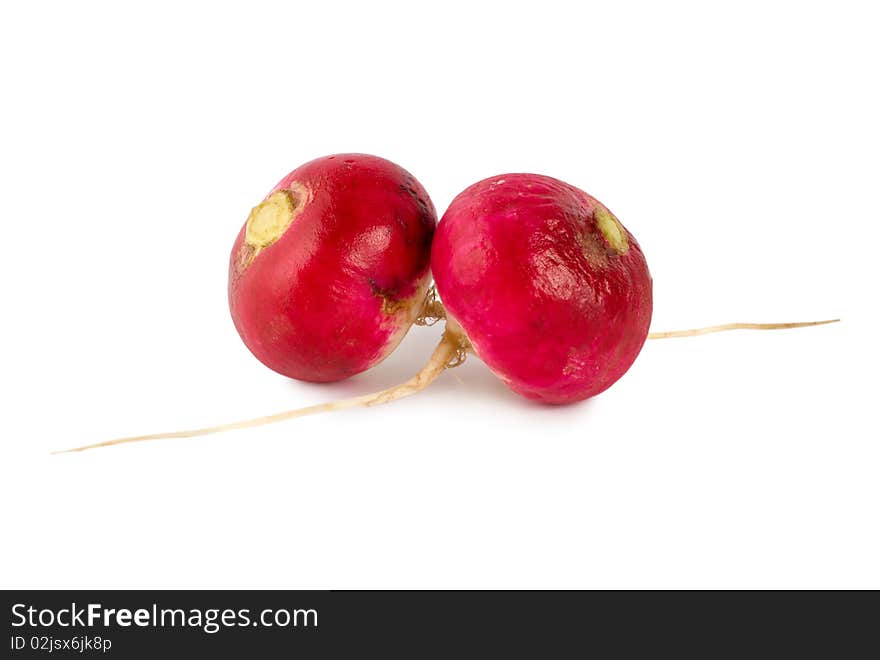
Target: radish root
x,y
432,310
695,332
449,353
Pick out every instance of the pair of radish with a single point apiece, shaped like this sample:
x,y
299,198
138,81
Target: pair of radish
x,y
331,270
536,277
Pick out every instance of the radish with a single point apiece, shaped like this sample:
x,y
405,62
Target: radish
x,y
537,278
331,268
552,292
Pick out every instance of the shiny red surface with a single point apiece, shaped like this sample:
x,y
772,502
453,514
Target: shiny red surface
x,y
338,290
546,302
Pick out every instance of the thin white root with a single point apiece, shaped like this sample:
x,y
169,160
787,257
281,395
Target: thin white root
x,y
450,352
694,332
446,354
432,309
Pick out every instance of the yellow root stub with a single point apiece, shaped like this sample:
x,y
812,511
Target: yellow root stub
x,y
269,219
611,229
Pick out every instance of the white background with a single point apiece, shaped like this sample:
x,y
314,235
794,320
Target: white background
x,y
738,143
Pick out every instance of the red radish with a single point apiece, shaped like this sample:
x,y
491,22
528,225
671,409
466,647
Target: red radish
x,y
553,293
541,281
331,268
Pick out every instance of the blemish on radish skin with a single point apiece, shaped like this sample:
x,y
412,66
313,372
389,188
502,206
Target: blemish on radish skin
x,y
427,211
573,364
391,300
